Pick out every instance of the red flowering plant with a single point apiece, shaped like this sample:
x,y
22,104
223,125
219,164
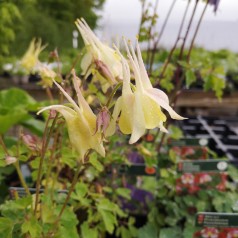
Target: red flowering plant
x,y
192,183
210,232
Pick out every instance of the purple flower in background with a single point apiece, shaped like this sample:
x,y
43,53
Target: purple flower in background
x,y
215,3
135,158
139,200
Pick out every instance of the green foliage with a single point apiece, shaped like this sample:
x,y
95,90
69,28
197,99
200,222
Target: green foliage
x,y
148,231
171,232
6,226
9,13
14,108
166,82
52,21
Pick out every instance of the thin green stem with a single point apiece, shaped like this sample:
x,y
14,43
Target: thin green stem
x,y
17,166
22,180
52,151
71,189
113,93
3,145
196,31
43,150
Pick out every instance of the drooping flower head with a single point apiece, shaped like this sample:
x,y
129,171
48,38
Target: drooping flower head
x,y
81,122
140,108
99,59
30,59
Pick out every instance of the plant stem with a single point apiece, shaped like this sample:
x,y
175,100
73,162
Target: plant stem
x,y
22,180
112,94
176,42
75,179
43,150
17,166
3,145
196,31
49,94
52,152
188,29
150,36
156,43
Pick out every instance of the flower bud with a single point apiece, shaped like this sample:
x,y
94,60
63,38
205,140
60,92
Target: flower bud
x,y
30,141
102,121
10,160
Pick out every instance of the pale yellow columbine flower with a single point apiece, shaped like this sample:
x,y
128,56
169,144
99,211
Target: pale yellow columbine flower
x,y
47,75
99,59
139,109
81,122
30,59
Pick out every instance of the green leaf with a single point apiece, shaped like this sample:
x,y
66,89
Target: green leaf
x,y
233,173
175,132
124,192
16,209
6,227
2,162
106,204
87,232
95,162
32,227
35,126
14,105
125,233
171,232
10,118
148,231
81,189
164,173
109,220
189,231
190,77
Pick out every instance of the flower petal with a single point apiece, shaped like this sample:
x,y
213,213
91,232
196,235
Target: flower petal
x,y
155,94
152,112
112,126
138,120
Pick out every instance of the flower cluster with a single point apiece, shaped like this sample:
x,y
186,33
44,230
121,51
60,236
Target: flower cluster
x,y
192,183
139,107
210,232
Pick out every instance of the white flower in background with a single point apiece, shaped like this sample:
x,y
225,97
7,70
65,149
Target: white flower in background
x,y
10,160
187,178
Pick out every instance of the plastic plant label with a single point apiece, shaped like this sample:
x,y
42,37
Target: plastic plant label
x,y
188,142
16,192
138,170
202,166
213,219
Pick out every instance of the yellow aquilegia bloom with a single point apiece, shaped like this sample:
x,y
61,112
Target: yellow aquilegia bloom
x,y
81,122
140,108
100,59
30,59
